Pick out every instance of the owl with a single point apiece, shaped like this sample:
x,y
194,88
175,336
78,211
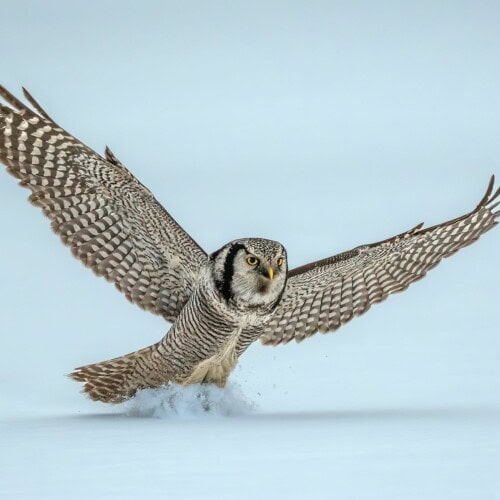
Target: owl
x,y
218,303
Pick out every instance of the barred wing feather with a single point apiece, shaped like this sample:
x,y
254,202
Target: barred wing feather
x,y
111,222
324,295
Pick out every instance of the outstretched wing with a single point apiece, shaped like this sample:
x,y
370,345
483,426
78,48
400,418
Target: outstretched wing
x,y
111,222
328,293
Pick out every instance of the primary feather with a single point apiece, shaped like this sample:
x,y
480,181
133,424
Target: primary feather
x,y
111,222
324,295
218,304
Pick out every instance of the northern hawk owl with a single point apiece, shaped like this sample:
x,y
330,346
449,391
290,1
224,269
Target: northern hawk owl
x,y
218,303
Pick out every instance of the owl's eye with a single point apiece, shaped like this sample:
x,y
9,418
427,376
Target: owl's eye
x,y
280,261
253,261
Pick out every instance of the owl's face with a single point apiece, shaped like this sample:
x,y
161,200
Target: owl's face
x,y
251,271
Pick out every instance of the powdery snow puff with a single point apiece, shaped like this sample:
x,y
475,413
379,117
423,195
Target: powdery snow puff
x,y
191,401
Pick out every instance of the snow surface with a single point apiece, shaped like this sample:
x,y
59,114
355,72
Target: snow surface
x,y
323,125
417,453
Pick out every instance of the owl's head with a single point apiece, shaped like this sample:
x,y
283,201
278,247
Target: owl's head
x,y
251,271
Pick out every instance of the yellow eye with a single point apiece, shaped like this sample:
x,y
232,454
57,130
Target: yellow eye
x,y
253,261
280,261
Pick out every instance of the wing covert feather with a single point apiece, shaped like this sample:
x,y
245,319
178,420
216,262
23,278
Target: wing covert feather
x,y
111,222
326,294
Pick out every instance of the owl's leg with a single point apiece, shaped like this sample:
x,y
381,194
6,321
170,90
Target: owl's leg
x,y
118,379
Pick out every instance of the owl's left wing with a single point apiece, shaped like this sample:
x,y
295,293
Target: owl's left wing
x,y
326,294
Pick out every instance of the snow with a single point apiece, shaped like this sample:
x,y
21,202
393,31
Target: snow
x,y
323,125
196,400
364,431
360,454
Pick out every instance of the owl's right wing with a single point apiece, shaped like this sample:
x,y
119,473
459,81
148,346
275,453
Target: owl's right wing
x,y
324,295
111,222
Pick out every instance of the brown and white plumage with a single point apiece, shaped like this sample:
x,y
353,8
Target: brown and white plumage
x,y
220,303
111,222
323,295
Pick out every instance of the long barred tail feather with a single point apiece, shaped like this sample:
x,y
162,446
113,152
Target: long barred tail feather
x,y
118,379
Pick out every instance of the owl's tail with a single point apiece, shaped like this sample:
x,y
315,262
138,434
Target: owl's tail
x,y
118,379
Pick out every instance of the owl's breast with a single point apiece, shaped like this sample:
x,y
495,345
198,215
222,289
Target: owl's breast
x,y
209,336
216,369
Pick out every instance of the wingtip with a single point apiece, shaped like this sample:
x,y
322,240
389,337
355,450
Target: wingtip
x,y
495,195
11,98
487,198
36,104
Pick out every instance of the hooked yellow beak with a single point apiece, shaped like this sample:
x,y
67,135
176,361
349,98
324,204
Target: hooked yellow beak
x,y
271,273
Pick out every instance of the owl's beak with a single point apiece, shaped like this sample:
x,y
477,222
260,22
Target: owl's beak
x,y
271,273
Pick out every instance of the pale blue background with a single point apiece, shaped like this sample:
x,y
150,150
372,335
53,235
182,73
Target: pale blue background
x,y
323,125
